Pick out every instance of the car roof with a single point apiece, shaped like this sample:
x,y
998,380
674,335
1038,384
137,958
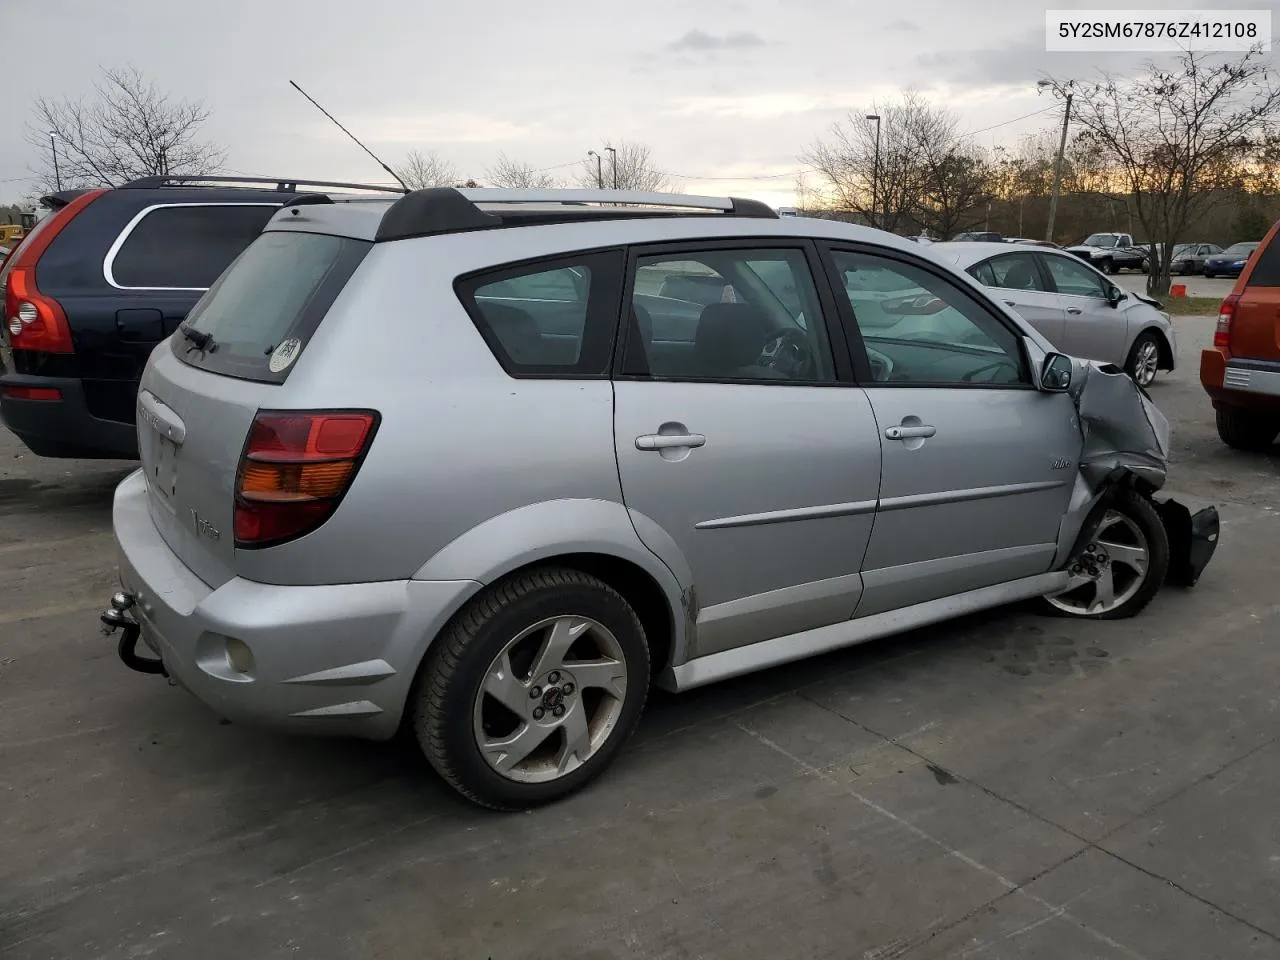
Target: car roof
x,y
965,253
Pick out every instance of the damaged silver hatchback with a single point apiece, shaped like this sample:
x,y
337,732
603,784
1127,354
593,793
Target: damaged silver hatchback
x,y
486,464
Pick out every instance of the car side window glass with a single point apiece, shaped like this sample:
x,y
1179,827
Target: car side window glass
x,y
1015,271
984,274
1075,279
554,318
919,328
727,315
186,247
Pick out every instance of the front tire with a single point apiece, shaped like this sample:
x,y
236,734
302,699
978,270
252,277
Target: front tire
x,y
1143,360
533,689
1108,267
1121,569
1245,430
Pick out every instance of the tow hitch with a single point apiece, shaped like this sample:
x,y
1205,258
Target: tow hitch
x,y
118,618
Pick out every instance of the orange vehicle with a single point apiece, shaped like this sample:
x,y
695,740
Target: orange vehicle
x,y
1241,371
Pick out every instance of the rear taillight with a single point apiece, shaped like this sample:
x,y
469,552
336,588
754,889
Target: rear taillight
x,y
31,393
295,469
1226,313
36,321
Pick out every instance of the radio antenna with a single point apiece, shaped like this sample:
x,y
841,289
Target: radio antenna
x,y
379,161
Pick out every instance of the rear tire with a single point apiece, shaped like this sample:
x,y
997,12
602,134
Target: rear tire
x,y
484,708
1143,360
1134,548
1246,430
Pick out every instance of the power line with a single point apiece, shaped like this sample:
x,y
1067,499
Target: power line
x,y
1005,123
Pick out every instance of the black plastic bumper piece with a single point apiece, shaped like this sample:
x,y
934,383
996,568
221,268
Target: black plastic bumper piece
x,y
1193,538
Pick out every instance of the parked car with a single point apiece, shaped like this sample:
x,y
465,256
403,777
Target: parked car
x,y
1189,258
454,462
1230,262
1111,252
101,280
1034,243
4,254
1078,309
1241,371
985,236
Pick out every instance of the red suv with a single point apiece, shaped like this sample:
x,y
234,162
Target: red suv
x,y
1241,371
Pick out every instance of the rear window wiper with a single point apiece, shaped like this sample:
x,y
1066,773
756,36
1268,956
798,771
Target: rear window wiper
x,y
199,340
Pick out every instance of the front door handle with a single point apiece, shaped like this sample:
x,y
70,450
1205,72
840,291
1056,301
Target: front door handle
x,y
669,441
910,433
1074,311
1010,303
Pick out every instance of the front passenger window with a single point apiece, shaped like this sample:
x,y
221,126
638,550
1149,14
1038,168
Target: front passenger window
x,y
919,328
1075,279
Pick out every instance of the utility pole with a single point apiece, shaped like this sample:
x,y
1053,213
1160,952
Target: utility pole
x,y
53,145
1057,166
599,169
613,157
875,174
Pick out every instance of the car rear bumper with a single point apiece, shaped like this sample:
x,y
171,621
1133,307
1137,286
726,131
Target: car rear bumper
x,y
1240,384
62,427
336,659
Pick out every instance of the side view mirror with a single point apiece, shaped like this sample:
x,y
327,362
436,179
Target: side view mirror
x,y
1115,295
1055,374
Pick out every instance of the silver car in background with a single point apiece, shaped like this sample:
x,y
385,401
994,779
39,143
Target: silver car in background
x,y
1077,307
486,464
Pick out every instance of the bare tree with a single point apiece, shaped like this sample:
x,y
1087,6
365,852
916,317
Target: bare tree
x,y
915,141
1177,137
514,175
422,170
127,129
635,168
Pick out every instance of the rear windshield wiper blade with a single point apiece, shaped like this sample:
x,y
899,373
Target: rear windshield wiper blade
x,y
199,339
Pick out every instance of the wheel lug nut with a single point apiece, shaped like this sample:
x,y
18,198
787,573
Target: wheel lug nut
x,y
535,693
554,677
539,713
558,711
567,689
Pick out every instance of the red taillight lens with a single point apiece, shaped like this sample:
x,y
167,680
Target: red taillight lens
x,y
31,393
35,321
295,469
1226,313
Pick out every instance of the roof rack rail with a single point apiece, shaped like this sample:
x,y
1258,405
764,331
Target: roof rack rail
x,y
282,184
450,210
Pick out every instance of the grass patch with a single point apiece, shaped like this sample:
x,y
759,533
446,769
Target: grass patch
x,y
1191,306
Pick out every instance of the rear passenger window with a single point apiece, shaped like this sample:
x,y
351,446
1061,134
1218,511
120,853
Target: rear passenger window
x,y
186,246
553,318
1266,272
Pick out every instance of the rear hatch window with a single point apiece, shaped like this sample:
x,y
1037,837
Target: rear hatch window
x,y
255,320
1266,272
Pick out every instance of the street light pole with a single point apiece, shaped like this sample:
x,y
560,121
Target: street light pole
x,y
599,169
613,158
875,174
53,145
1057,166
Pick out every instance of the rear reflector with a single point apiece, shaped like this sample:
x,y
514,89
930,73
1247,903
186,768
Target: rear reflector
x,y
295,469
31,393
1226,313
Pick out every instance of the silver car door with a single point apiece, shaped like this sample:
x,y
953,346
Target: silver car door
x,y
1095,328
743,445
1017,280
978,464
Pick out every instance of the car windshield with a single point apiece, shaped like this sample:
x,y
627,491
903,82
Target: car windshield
x,y
1184,248
1100,240
1239,249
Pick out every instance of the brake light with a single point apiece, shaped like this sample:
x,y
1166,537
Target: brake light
x,y
1226,313
295,469
36,321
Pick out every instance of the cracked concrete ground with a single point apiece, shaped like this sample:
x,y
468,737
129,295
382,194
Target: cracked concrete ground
x,y
1003,786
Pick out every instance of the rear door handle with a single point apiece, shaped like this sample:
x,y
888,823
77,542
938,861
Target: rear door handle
x,y
910,433
1074,310
669,441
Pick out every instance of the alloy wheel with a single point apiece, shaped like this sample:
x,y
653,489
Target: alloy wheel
x,y
550,699
1111,570
1146,363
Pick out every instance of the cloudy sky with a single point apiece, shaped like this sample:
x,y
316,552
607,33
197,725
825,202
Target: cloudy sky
x,y
725,92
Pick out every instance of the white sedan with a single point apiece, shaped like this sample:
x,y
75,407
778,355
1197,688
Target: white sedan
x,y
1078,308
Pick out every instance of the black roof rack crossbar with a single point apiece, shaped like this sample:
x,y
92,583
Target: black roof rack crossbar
x,y
438,210
282,184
